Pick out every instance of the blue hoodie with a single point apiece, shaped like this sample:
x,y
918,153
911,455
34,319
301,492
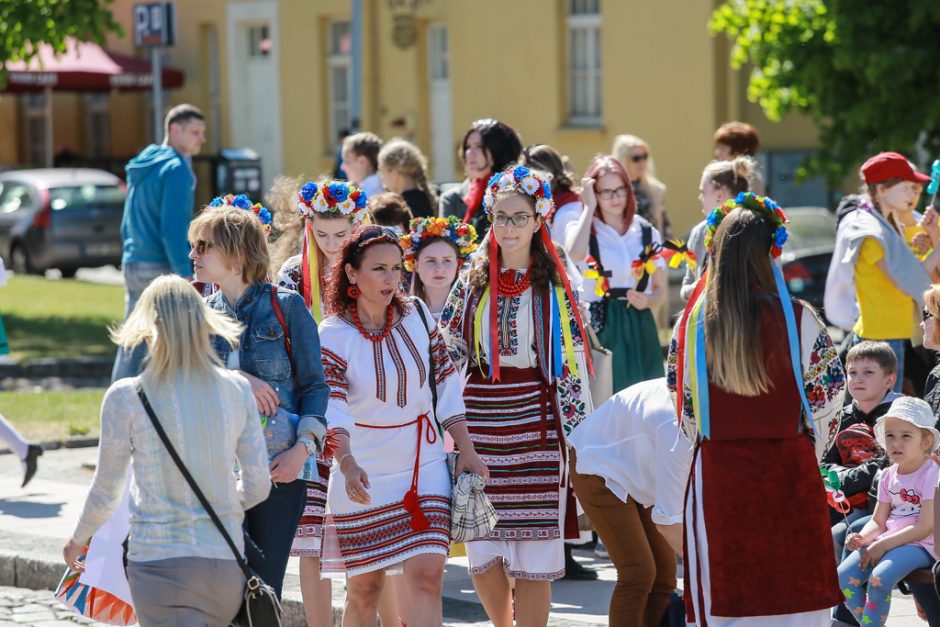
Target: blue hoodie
x,y
159,206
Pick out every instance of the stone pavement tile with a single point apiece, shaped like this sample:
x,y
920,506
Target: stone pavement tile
x,y
29,619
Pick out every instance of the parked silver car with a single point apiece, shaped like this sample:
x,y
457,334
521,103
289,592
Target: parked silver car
x,y
65,218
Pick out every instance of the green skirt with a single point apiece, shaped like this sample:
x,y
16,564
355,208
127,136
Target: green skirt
x,y
4,346
631,336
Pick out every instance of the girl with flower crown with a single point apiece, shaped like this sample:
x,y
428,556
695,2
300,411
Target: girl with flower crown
x,y
513,322
759,391
328,213
279,354
624,276
435,249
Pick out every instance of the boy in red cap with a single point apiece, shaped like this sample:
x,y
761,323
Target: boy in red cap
x,y
873,251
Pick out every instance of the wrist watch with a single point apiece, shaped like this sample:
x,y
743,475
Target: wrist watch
x,y
310,445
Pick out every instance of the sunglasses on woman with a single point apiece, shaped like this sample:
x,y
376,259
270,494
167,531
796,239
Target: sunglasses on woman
x,y
201,246
375,231
926,314
639,158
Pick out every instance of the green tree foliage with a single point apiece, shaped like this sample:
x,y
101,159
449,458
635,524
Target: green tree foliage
x,y
866,71
24,24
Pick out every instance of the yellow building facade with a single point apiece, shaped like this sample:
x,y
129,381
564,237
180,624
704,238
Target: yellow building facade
x,y
276,76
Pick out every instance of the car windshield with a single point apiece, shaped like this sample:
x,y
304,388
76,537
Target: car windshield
x,y
86,197
810,228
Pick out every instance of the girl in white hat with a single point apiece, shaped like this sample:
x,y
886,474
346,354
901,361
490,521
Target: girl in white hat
x,y
899,537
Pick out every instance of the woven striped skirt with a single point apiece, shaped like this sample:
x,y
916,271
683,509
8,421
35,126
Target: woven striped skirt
x,y
514,427
309,536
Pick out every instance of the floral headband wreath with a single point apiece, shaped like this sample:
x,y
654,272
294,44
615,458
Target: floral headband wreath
x,y
522,180
243,202
462,236
690,332
330,197
758,204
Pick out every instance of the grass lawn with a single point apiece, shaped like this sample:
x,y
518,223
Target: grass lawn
x,y
53,416
59,318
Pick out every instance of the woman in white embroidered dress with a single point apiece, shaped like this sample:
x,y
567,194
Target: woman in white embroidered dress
x,y
391,499
519,412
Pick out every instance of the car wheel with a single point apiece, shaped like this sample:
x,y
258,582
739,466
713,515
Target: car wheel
x,y
68,273
20,262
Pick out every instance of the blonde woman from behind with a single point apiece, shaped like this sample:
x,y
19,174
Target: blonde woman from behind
x,y
180,570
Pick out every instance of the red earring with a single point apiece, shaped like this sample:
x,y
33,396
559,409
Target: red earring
x,y
353,292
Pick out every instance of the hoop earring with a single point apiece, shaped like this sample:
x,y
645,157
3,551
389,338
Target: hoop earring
x,y
352,291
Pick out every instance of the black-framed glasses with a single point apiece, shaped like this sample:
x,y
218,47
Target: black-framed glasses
x,y
201,246
607,194
925,313
519,220
639,158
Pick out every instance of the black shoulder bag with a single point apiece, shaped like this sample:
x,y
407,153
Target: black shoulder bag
x,y
259,605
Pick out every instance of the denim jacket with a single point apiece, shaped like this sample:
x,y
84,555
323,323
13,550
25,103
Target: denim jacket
x,y
262,353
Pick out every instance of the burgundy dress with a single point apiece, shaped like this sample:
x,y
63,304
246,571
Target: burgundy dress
x,y
758,539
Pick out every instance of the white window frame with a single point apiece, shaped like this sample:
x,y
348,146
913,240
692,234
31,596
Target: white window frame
x,y
98,104
589,111
336,60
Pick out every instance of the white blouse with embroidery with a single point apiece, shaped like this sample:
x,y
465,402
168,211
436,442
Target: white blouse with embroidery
x,y
381,385
618,252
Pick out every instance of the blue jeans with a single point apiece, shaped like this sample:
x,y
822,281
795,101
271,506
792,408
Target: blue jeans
x,y
272,524
842,529
841,612
871,607
137,276
898,347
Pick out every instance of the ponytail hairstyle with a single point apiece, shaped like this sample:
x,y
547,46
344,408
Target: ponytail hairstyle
x,y
736,175
404,157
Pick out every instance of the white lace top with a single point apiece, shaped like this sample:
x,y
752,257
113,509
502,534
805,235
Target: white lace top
x,y
214,426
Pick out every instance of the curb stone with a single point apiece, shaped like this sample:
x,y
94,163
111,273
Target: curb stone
x,y
53,445
79,367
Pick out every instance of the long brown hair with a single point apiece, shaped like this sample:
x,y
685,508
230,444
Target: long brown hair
x,y
542,271
740,270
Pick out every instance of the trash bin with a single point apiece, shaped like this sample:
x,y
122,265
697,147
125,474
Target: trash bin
x,y
238,171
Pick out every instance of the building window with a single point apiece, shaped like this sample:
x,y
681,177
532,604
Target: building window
x,y
34,112
584,62
339,60
98,112
259,41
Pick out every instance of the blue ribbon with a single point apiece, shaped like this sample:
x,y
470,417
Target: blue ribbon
x,y
794,341
701,375
556,336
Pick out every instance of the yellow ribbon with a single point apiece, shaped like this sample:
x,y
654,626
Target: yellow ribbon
x,y
690,346
478,322
316,304
565,321
678,258
591,273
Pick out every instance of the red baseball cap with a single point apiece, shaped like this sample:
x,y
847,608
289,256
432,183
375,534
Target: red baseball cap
x,y
890,165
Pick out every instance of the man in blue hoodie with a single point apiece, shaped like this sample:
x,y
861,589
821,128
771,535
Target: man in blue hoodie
x,y
159,207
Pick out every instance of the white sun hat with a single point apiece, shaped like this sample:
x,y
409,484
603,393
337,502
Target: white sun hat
x,y
912,410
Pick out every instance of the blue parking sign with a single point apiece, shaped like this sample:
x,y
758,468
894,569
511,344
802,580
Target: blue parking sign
x,y
154,24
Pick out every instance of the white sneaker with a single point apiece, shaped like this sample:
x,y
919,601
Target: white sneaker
x,y
600,550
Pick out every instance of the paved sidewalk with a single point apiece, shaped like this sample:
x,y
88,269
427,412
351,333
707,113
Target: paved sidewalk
x,y
35,522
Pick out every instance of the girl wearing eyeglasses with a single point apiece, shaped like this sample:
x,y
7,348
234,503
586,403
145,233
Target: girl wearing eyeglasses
x,y
623,281
389,491
512,321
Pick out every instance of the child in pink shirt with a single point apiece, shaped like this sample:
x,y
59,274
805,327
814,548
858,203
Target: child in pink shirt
x,y
899,537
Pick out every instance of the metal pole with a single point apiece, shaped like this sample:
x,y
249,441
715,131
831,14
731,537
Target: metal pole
x,y
356,104
47,114
155,61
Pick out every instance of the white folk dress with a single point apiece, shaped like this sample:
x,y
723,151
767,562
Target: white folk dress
x,y
380,396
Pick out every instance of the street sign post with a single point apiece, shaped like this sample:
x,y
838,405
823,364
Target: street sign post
x,y
154,28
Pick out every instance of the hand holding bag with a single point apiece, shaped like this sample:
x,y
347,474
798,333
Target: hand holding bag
x,y
260,605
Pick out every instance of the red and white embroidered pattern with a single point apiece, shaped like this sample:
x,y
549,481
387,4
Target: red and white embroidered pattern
x,y
334,371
